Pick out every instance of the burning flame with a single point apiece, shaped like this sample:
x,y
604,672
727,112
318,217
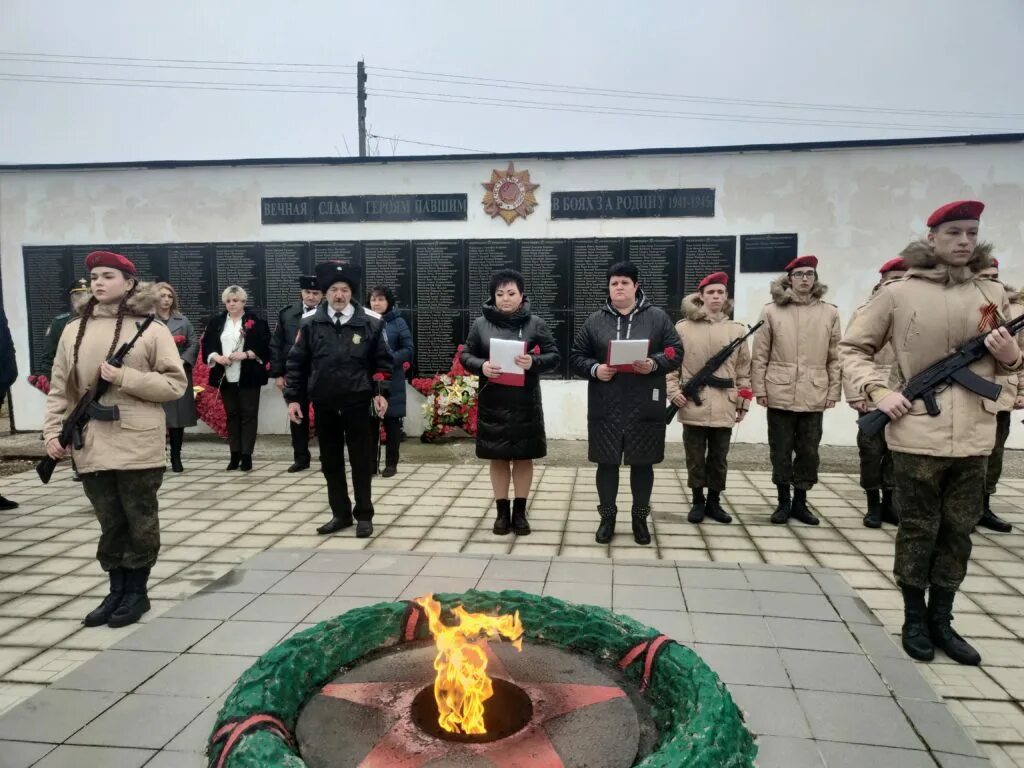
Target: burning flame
x,y
462,684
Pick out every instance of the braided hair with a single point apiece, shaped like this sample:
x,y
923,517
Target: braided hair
x,y
86,313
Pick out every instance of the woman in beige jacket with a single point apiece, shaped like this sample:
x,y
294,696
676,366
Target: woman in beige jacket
x,y
795,375
121,461
707,428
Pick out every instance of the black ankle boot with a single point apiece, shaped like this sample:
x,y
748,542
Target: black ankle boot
x,y
245,462
889,513
873,518
714,509
990,520
235,459
915,638
520,525
136,599
177,436
699,505
101,614
503,522
799,510
606,530
641,534
782,512
940,629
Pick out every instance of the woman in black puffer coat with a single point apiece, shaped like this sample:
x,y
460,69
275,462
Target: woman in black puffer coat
x,y
510,422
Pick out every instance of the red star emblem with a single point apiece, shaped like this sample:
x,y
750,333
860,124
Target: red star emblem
x,y
406,746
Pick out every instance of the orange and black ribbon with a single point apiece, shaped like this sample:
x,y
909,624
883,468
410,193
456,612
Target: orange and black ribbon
x,y
232,732
649,649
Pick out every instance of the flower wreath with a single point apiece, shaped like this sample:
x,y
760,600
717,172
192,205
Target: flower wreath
x,y
698,723
451,401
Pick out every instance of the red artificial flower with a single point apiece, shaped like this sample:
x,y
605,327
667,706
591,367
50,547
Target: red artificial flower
x,y
249,324
406,366
32,379
379,377
670,353
746,394
179,339
536,349
461,347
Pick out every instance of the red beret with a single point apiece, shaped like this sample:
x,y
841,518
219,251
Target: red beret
x,y
109,259
894,265
802,261
714,278
995,263
961,210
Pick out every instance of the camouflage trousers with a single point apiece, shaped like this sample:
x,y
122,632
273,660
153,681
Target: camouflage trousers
x,y
995,459
707,456
939,500
126,505
793,440
875,462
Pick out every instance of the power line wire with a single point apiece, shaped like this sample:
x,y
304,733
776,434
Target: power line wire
x,y
4,58
196,85
427,143
350,67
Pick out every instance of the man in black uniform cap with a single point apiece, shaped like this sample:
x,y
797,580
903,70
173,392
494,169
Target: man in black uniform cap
x,y
288,320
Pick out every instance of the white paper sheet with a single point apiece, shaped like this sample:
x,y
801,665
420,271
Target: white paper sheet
x,y
627,351
504,353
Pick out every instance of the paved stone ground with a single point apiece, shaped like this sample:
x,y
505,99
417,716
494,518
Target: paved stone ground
x,y
212,521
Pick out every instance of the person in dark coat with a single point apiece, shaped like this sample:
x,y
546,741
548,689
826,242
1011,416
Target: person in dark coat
x,y
8,375
236,345
78,294
510,421
288,320
626,410
341,363
180,413
399,338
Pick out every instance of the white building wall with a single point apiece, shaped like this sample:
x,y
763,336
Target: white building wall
x,y
855,208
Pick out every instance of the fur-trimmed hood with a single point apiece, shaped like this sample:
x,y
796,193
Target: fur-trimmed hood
x,y
140,304
782,291
693,308
921,255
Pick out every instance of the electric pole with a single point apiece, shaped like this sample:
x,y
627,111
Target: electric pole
x,y
361,100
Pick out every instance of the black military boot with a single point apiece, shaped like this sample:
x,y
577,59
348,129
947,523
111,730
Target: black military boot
x,y
785,507
990,520
889,513
916,642
940,629
873,519
245,462
503,522
236,458
101,614
641,534
606,529
136,599
714,509
520,525
799,510
699,505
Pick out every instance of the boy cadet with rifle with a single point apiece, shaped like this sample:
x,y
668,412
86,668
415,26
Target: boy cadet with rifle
x,y
795,375
1010,399
946,329
875,460
708,415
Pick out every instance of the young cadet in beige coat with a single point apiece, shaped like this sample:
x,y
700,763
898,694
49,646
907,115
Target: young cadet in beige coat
x,y
875,459
795,375
121,461
707,428
1010,399
940,461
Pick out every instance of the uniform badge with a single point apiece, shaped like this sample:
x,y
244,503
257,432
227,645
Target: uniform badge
x,y
356,338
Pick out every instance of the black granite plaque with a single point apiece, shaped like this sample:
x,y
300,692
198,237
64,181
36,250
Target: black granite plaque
x,y
49,272
436,335
359,208
439,297
547,270
704,255
388,263
345,251
767,253
560,325
632,203
283,264
483,258
242,264
657,259
190,271
286,210
590,261
150,260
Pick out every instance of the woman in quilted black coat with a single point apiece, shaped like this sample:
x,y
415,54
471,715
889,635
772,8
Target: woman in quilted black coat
x,y
626,410
510,423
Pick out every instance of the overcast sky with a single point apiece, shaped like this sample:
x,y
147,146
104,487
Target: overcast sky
x,y
909,56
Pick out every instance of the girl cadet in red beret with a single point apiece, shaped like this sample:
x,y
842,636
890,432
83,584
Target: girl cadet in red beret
x,y
121,461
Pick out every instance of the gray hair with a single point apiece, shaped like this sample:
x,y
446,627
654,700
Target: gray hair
x,y
234,290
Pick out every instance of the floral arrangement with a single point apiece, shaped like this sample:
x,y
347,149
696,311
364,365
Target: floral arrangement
x,y
451,401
